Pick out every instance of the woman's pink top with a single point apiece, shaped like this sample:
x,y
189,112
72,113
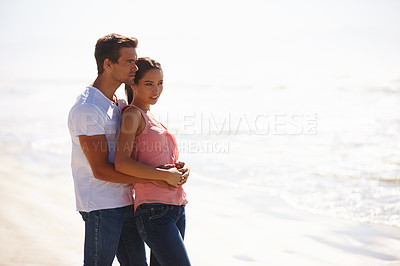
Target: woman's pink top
x,y
155,146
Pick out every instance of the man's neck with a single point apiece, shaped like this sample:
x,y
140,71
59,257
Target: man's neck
x,y
106,86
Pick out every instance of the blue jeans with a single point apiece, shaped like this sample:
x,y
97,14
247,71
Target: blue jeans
x,y
111,232
162,227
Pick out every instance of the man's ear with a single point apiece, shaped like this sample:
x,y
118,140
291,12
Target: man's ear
x,y
107,64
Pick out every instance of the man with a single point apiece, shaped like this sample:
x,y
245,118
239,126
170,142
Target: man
x,y
103,195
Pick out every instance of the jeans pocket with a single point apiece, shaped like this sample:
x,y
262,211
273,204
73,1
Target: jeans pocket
x,y
158,217
158,211
140,210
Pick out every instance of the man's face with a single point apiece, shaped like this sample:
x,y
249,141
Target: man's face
x,y
124,70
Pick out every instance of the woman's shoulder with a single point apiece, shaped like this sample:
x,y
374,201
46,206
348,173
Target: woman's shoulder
x,y
131,113
131,109
134,112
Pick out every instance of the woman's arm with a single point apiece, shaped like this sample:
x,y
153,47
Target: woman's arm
x,y
124,163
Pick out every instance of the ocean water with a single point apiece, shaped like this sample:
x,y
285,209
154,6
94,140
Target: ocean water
x,y
327,149
331,151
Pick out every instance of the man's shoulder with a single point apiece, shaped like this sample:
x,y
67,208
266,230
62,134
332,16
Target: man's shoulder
x,y
88,100
83,112
83,107
85,116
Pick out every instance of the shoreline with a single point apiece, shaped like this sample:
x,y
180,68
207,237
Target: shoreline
x,y
225,226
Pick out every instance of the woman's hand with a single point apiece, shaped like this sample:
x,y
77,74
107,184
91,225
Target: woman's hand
x,y
175,177
181,167
185,170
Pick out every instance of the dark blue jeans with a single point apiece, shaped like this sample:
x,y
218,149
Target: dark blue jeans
x,y
162,227
111,232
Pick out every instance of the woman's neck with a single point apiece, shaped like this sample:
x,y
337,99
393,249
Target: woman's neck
x,y
143,106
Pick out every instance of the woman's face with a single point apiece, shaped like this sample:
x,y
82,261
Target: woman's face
x,y
149,88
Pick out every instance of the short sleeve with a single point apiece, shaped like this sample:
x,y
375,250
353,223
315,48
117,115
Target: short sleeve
x,y
87,119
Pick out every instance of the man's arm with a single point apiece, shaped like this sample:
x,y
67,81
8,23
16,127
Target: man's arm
x,y
97,156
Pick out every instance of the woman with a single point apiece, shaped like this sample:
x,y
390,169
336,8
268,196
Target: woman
x,y
159,212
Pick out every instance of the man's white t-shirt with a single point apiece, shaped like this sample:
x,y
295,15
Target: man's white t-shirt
x,y
94,114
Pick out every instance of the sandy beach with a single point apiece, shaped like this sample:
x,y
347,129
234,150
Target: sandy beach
x,y
226,225
302,96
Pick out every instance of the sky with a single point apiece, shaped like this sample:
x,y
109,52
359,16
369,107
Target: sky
x,y
219,41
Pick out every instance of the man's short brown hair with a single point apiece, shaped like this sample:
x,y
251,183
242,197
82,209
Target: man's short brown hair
x,y
108,47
